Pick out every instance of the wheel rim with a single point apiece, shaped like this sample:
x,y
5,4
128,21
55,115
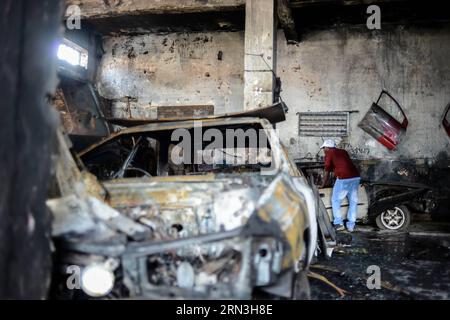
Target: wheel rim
x,y
393,219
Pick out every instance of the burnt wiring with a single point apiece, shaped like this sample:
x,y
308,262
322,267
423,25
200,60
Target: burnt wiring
x,y
128,160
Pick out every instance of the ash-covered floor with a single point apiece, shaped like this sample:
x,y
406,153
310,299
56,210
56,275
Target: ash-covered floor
x,y
413,264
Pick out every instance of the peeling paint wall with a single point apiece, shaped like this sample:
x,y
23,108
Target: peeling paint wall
x,y
173,69
338,69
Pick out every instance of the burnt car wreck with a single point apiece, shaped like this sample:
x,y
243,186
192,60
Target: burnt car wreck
x,y
391,203
148,152
162,230
383,203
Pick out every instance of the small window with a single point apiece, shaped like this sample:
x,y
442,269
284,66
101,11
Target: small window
x,y
73,54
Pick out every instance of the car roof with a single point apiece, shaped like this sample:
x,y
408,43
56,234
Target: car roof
x,y
274,114
173,125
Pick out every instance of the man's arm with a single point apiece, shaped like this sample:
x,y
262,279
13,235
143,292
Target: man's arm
x,y
326,176
328,166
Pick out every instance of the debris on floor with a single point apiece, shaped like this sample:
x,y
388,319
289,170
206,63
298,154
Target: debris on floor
x,y
411,266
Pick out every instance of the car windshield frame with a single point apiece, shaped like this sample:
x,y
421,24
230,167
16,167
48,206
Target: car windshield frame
x,y
154,129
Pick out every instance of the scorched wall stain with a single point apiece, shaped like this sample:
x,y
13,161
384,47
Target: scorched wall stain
x,y
174,69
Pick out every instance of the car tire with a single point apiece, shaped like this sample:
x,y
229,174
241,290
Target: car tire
x,y
397,218
301,289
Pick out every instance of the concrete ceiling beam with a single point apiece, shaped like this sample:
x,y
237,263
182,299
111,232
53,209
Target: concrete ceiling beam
x,y
94,9
287,21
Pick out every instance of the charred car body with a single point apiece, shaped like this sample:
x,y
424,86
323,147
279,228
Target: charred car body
x,y
388,204
391,202
134,224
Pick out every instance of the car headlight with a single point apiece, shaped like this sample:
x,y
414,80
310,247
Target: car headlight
x,y
97,280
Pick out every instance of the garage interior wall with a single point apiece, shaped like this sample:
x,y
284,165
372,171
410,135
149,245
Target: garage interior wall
x,y
342,68
173,69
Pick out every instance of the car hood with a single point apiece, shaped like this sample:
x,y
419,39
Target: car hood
x,y
189,205
181,191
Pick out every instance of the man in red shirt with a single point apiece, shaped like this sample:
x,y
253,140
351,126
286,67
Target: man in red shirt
x,y
347,183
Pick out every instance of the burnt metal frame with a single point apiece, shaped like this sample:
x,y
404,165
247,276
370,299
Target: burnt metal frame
x,y
411,191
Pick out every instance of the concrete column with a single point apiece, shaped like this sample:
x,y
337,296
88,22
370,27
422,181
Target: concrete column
x,y
260,53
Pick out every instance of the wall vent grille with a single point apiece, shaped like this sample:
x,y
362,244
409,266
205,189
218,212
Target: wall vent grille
x,y
323,124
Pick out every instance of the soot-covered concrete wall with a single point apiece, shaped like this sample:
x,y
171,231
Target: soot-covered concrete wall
x,y
343,68
173,69
346,69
